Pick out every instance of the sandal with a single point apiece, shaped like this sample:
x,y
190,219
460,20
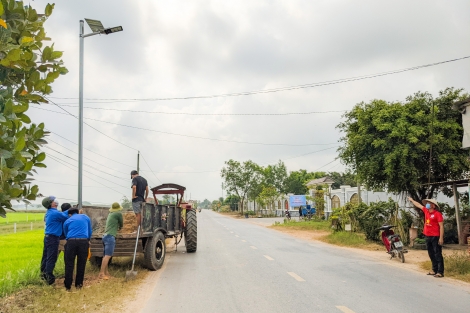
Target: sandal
x,y
438,275
432,274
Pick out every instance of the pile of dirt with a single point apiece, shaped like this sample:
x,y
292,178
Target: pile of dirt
x,y
129,223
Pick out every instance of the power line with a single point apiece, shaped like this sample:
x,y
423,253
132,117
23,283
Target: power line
x,y
88,149
62,184
87,124
205,114
61,162
310,85
85,164
190,136
57,159
143,158
85,157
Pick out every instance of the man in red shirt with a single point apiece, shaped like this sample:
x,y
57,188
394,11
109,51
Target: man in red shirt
x,y
434,232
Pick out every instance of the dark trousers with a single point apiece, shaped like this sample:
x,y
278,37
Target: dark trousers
x,y
435,254
75,249
49,258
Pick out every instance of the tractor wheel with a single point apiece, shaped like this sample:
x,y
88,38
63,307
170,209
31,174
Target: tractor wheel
x,y
155,251
190,232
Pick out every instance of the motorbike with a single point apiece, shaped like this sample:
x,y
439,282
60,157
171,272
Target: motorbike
x,y
393,243
287,214
199,210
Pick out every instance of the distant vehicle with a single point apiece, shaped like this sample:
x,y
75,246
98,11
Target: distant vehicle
x,y
308,211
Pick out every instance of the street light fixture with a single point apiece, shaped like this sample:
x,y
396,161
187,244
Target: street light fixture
x,y
97,28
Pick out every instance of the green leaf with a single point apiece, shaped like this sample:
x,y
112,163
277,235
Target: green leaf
x,y
56,54
20,143
49,8
2,118
26,154
40,165
8,110
1,8
14,55
25,118
28,166
5,154
46,54
41,157
21,108
34,189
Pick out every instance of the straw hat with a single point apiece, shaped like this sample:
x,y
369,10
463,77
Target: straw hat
x,y
431,201
116,207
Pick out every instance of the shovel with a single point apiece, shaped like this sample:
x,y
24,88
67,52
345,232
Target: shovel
x,y
132,274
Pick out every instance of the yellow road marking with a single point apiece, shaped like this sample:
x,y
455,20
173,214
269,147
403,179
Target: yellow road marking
x,y
296,277
344,309
244,240
237,236
253,247
269,258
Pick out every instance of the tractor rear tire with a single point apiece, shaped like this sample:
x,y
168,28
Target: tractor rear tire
x,y
155,251
190,233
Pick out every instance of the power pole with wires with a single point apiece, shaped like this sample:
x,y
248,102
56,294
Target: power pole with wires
x,y
138,161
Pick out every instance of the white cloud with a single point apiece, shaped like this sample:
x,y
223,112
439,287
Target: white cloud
x,y
187,48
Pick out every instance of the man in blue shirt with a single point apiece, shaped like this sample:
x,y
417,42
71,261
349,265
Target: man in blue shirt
x,y
53,229
77,230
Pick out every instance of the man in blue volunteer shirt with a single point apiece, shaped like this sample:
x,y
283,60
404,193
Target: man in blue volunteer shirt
x,y
77,230
53,229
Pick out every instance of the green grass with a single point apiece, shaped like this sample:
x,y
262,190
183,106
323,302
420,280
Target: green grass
x,y
305,225
20,227
20,260
21,217
348,239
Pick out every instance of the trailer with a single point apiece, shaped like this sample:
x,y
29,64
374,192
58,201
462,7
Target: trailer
x,y
159,222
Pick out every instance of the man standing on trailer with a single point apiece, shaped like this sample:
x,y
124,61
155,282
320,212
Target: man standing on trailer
x,y
52,232
140,192
77,230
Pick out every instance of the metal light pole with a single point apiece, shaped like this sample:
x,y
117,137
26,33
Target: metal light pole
x,y
80,117
97,28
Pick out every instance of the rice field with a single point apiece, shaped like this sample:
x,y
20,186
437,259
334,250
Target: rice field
x,y
20,260
21,217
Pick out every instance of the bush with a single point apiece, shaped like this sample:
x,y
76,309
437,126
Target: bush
x,y
457,264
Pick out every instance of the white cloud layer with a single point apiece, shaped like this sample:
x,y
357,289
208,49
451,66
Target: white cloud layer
x,y
191,48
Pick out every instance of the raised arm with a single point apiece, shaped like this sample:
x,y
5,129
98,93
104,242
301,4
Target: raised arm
x,y
415,203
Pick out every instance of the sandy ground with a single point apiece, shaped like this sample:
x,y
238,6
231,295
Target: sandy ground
x,y
135,302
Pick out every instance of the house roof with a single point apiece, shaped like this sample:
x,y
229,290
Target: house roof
x,y
319,181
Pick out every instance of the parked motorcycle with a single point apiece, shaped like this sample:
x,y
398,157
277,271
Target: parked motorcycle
x,y
393,243
287,214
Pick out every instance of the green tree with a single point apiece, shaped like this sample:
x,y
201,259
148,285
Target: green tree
x,y
126,203
268,195
240,178
388,144
205,204
348,178
276,176
296,181
27,70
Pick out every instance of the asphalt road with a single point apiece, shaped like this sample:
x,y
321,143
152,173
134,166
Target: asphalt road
x,y
242,267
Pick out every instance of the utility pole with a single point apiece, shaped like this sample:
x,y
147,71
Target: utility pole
x,y
138,160
222,190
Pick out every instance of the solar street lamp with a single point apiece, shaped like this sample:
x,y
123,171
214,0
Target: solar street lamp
x,y
97,29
